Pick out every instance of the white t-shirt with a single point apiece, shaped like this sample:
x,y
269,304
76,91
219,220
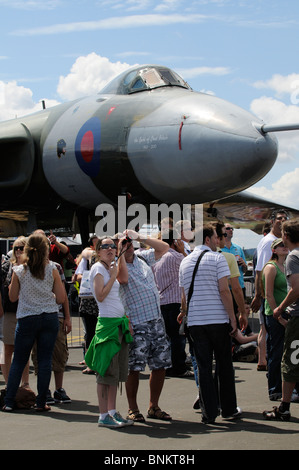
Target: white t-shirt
x,y
263,251
111,306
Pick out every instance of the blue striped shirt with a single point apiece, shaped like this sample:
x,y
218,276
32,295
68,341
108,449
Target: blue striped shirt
x,y
205,306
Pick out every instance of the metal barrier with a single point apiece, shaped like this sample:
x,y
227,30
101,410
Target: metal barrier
x,y
249,290
75,339
249,286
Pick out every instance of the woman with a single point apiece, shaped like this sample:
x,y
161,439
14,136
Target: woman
x,y
108,351
275,290
10,310
37,286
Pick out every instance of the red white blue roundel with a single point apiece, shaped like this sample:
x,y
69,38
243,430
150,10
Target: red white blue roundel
x,y
87,147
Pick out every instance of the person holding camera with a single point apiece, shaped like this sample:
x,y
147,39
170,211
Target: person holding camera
x,y
141,301
107,354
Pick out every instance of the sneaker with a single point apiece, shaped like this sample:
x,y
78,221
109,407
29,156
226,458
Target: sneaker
x,y
60,396
236,414
206,420
196,404
49,399
277,414
275,396
187,373
109,422
126,422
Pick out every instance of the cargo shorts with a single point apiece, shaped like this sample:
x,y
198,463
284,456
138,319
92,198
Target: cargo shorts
x,y
150,346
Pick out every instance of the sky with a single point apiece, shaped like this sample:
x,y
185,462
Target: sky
x,y
244,51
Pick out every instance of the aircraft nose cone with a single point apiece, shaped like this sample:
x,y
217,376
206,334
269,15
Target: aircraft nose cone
x,y
207,149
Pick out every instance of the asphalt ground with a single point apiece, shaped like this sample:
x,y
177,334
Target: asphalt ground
x,y
74,426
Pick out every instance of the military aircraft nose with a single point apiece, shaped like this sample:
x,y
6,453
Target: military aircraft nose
x,y
199,148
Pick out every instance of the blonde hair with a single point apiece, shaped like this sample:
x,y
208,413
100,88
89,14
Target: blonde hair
x,y
19,241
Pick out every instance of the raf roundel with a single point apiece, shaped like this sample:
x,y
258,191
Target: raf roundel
x,y
87,147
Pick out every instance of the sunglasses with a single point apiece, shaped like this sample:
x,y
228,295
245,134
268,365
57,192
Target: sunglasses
x,y
105,246
16,248
229,228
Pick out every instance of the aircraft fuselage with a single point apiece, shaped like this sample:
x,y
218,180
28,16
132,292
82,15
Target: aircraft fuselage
x,y
163,144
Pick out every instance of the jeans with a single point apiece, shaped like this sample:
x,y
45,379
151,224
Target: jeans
x,y
208,341
43,329
170,313
275,340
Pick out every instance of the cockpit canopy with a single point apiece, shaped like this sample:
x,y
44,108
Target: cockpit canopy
x,y
144,78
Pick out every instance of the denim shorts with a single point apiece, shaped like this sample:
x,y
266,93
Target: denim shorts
x,y
150,346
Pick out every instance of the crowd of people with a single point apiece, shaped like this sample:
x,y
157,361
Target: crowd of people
x,y
155,306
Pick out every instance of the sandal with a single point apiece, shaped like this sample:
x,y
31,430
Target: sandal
x,y
157,413
88,371
135,415
43,409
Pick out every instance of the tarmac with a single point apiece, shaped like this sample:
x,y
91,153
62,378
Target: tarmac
x,y
74,426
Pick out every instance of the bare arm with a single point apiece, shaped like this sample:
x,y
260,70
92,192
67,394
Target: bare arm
x,y
239,298
159,246
122,269
257,300
58,288
227,302
14,288
67,324
270,274
63,248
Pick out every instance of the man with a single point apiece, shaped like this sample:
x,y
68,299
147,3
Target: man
x,y
211,319
166,272
234,275
238,252
289,364
58,251
264,253
141,300
184,229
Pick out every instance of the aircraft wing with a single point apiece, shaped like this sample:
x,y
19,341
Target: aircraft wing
x,y
244,210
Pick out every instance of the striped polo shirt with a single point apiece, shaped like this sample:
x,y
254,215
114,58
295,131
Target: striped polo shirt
x,y
205,306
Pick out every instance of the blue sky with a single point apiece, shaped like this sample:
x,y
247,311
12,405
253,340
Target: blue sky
x,y
244,51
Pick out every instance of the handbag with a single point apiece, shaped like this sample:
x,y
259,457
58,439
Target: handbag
x,y
85,288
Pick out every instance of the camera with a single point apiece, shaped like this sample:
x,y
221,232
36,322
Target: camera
x,y
126,240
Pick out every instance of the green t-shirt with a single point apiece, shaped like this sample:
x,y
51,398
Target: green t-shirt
x,y
280,288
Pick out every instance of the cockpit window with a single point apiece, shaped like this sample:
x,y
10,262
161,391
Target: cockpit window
x,y
144,78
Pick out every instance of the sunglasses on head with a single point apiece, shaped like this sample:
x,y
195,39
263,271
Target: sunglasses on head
x,y
105,246
21,248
